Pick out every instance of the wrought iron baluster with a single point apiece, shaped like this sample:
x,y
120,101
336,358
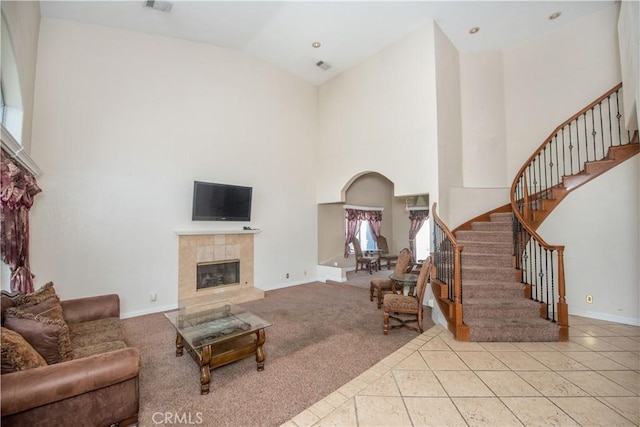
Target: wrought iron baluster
x,y
557,167
553,290
610,125
594,133
601,129
618,116
578,165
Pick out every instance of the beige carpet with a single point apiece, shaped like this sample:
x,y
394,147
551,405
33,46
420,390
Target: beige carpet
x,y
323,335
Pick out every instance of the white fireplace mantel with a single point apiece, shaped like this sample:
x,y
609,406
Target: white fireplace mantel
x,y
211,232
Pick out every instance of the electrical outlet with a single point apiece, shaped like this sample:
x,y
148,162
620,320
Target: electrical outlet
x,y
153,296
589,299
287,275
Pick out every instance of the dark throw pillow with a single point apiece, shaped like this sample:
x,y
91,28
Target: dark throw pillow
x,y
18,354
50,337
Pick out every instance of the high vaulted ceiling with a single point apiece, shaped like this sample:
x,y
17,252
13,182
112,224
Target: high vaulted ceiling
x,y
282,32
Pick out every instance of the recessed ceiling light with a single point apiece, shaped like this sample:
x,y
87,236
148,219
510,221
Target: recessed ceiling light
x,y
316,44
555,15
474,30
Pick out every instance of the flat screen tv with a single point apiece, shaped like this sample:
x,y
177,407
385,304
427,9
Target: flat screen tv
x,y
221,202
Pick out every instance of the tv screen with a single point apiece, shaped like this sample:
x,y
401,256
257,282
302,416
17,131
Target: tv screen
x,y
221,202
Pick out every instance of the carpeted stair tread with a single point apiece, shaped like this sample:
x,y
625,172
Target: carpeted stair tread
x,y
491,226
504,248
513,330
498,274
501,217
486,259
500,302
494,306
484,289
483,236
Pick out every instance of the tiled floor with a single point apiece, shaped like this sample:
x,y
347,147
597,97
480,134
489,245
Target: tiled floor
x,y
591,380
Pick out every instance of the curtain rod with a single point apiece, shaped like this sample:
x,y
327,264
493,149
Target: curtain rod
x,y
362,208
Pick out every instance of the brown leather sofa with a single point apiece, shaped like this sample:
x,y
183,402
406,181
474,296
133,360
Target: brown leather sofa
x,y
97,385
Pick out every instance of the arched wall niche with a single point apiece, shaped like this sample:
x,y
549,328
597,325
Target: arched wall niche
x,y
370,189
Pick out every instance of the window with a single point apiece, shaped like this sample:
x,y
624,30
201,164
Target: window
x,y
12,110
365,237
423,242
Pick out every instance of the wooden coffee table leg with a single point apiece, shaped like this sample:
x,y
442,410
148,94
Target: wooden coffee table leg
x,y
260,356
205,371
179,345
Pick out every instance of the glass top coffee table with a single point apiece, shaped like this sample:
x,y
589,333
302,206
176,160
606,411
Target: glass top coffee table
x,y
217,334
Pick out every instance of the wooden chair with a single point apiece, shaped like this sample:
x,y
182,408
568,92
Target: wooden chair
x,y
384,253
382,286
407,309
369,262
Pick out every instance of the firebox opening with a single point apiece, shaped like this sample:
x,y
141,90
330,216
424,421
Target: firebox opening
x,y
218,273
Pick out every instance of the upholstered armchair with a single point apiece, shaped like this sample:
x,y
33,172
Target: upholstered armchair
x,y
364,262
385,257
382,286
66,362
407,309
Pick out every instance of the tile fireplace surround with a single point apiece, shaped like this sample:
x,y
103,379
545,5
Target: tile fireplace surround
x,y
210,246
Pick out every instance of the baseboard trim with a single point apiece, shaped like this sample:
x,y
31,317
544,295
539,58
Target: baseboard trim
x,y
634,321
148,311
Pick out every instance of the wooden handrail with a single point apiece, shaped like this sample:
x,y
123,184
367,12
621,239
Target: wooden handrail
x,y
442,225
525,217
454,315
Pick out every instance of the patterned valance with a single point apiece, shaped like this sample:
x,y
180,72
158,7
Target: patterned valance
x,y
18,188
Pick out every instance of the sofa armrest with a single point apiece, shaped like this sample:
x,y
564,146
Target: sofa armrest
x,y
91,308
24,390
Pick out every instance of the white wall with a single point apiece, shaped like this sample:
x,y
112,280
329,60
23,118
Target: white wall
x,y
450,159
553,76
483,120
601,234
547,80
124,123
380,116
629,40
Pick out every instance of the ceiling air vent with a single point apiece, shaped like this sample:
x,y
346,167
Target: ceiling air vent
x,y
162,6
323,65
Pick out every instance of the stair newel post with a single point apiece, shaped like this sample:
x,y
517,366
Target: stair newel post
x,y
457,298
563,309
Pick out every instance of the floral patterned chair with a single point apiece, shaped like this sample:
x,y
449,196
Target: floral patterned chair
x,y
382,286
407,308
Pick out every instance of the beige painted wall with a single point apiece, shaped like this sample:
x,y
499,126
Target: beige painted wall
x,y
450,158
380,116
23,21
551,77
483,125
369,190
629,40
124,122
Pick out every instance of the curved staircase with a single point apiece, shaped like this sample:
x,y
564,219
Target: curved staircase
x,y
496,278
